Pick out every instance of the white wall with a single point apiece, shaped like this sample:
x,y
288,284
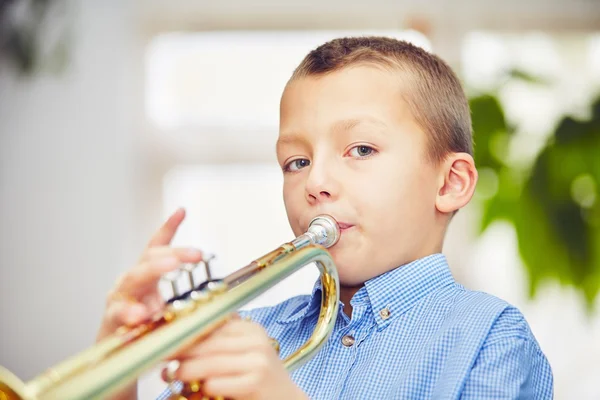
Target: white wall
x,y
67,193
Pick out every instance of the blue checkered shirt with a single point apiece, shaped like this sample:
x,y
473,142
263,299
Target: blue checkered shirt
x,y
414,334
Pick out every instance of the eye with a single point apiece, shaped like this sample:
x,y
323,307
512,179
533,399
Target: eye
x,y
361,151
296,165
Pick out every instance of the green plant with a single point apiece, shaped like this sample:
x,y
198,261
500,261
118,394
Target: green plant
x,y
34,35
552,203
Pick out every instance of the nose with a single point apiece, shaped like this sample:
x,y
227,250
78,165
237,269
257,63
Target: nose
x,y
320,184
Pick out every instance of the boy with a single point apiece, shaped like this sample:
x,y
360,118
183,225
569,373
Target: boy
x,y
377,133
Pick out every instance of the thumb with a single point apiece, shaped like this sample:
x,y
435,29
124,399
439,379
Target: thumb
x,y
122,313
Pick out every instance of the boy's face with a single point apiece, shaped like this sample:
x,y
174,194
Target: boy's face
x,y
350,148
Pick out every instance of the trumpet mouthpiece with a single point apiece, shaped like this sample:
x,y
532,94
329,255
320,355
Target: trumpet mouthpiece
x,y
325,230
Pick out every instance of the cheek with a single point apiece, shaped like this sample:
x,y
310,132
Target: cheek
x,y
292,200
382,187
396,199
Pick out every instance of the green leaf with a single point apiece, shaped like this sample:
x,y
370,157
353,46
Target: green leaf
x,y
490,131
518,74
555,206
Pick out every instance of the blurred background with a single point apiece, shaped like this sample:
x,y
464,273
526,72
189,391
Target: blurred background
x,y
115,113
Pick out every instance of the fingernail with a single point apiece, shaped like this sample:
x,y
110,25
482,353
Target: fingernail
x,y
167,262
194,253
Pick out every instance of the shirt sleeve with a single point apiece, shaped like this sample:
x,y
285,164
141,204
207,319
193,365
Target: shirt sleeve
x,y
510,364
167,392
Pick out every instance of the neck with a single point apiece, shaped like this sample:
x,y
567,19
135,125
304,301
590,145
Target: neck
x,y
346,294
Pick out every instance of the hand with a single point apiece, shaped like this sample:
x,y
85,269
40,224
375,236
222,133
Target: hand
x,y
135,296
237,360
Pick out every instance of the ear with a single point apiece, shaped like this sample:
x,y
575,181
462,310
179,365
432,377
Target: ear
x,y
457,181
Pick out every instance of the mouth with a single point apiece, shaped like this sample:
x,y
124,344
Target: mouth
x,y
344,226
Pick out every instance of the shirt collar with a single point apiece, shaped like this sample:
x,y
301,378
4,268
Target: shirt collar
x,y
393,293
390,294
294,313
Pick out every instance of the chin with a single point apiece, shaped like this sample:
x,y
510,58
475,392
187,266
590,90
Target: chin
x,y
351,272
351,279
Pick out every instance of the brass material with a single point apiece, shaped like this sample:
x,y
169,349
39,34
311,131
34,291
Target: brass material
x,y
117,361
275,345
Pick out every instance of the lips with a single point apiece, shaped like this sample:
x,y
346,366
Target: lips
x,y
343,226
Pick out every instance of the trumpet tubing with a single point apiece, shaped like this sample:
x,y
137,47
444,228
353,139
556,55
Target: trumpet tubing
x,y
113,363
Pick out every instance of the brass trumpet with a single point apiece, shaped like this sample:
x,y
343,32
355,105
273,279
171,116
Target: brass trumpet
x,y
110,365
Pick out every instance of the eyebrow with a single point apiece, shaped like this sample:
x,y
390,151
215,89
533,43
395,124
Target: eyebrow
x,y
288,138
339,126
349,124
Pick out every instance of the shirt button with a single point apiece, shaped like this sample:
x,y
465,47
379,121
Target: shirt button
x,y
384,313
348,341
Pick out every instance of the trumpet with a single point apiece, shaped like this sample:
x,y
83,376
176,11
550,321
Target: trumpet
x,y
117,361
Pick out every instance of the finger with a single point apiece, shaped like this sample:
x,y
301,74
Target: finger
x,y
144,277
218,345
183,254
233,327
154,302
238,326
121,312
233,387
147,273
200,341
167,231
221,365
226,345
